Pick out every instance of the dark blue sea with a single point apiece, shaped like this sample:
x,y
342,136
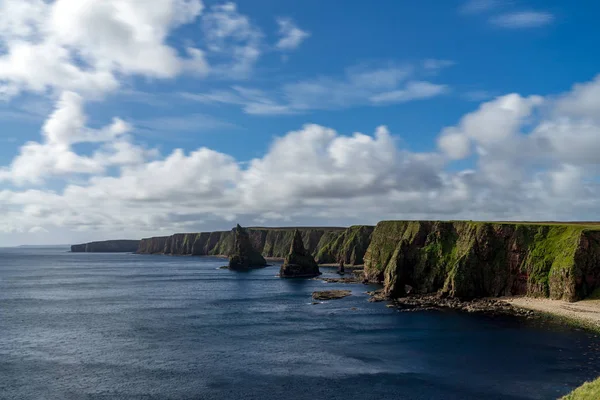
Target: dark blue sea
x,y
124,326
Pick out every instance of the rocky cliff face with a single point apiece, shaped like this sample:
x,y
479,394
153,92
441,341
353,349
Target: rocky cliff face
x,y
348,246
244,255
467,259
270,242
298,263
107,246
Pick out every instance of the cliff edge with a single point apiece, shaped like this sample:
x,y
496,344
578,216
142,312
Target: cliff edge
x,y
479,259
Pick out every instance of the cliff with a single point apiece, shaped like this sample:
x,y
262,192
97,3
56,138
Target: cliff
x,y
477,259
107,246
270,242
350,246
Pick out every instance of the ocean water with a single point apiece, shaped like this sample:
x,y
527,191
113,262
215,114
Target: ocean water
x,y
124,326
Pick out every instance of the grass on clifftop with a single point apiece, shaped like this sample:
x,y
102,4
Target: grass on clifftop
x,y
587,391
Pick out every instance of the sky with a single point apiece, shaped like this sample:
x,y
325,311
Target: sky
x,y
124,120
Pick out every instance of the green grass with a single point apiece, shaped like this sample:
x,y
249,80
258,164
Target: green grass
x,y
587,391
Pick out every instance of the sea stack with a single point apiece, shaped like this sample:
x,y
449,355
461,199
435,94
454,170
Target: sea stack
x,y
298,263
244,256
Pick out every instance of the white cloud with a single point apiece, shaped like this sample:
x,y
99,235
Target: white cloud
x,y
83,45
532,161
291,35
232,39
493,123
413,91
88,46
361,85
522,19
55,156
583,100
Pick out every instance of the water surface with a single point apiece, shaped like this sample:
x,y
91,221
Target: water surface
x,y
124,326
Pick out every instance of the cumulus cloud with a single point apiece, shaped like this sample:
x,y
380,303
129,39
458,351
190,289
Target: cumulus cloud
x,y
290,35
55,156
85,45
526,167
493,123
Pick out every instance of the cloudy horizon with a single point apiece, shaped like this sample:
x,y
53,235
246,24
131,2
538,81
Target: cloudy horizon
x,y
123,121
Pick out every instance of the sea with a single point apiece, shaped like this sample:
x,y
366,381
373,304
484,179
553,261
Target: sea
x,y
127,326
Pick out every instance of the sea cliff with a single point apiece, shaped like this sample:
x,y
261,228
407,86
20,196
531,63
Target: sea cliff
x,y
107,246
327,245
478,259
460,259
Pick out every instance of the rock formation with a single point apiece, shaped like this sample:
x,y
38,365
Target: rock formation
x,y
298,263
244,256
331,294
481,259
107,246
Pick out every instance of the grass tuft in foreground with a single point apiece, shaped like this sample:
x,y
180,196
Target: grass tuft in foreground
x,y
587,391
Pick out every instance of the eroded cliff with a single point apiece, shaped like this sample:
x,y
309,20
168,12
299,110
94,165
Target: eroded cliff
x,y
329,243
471,259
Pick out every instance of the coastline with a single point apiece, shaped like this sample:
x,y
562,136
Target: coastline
x,y
583,314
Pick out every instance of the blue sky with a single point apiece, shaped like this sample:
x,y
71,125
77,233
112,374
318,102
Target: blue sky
x,y
127,121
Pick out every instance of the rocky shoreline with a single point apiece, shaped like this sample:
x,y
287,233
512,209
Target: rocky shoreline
x,y
435,302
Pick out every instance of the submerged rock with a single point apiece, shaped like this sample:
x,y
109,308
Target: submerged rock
x,y
331,294
298,263
244,256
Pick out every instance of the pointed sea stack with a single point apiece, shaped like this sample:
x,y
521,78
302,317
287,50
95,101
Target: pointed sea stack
x,y
244,256
298,263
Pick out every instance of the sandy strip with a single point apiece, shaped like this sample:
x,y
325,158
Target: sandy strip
x,y
585,311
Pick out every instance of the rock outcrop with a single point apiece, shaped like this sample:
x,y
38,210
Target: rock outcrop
x,y
331,294
476,259
244,256
299,263
107,246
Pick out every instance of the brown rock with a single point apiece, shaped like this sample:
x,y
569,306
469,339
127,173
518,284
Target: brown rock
x,y
298,263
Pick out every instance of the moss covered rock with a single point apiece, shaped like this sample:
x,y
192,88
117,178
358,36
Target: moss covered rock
x,y
348,246
477,259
